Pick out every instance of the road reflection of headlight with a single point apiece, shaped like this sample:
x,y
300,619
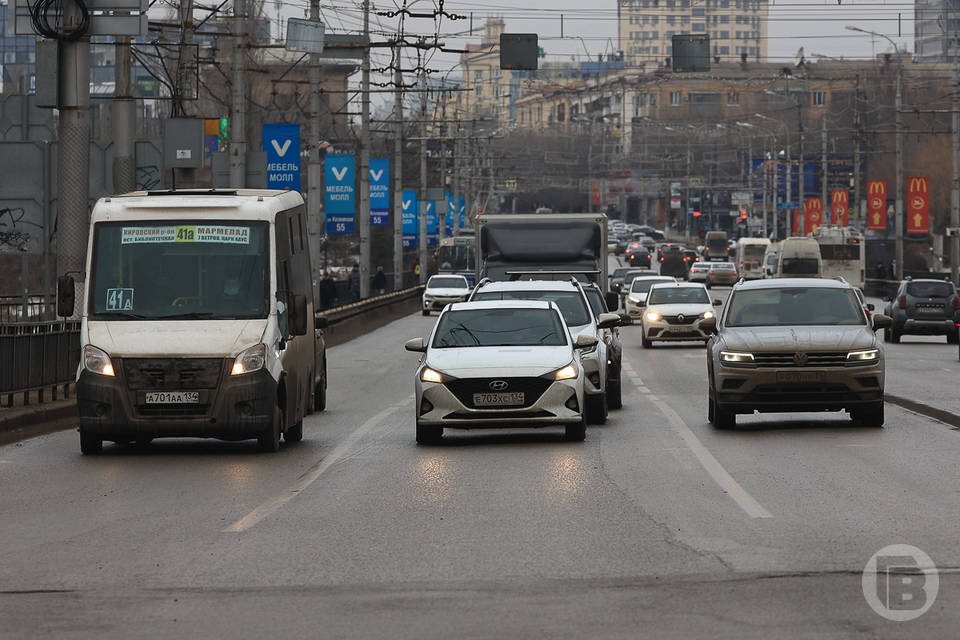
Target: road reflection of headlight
x,y
433,474
567,476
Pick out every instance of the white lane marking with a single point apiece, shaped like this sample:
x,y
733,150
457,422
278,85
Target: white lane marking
x,y
710,464
304,481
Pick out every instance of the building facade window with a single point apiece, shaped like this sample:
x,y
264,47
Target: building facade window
x,y
733,98
676,98
819,98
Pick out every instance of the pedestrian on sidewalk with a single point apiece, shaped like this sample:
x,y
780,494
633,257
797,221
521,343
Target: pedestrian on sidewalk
x,y
353,283
380,281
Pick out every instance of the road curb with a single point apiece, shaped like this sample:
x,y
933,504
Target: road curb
x,y
23,422
942,415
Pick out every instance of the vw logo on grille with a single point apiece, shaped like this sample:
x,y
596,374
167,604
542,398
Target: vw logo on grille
x,y
800,359
681,317
498,385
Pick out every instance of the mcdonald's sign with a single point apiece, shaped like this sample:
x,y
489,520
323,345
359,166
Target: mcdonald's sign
x,y
918,204
840,201
812,214
877,205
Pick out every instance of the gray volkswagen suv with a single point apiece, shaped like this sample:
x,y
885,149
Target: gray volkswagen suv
x,y
798,344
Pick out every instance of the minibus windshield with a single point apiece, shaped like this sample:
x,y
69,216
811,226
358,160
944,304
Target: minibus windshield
x,y
180,270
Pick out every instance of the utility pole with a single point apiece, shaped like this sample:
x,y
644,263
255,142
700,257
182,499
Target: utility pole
x,y
423,180
315,221
397,176
73,179
457,149
773,190
955,191
801,172
184,62
442,215
824,169
124,119
788,188
238,98
856,159
898,206
364,199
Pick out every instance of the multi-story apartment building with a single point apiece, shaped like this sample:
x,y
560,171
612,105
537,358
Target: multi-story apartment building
x,y
737,28
936,28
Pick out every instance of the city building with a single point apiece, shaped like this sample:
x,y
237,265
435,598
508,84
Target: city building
x,y
935,25
737,28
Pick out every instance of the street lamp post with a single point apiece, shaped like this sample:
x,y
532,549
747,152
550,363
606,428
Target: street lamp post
x,y
898,206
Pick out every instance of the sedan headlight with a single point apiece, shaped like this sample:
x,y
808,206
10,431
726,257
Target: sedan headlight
x,y
653,316
706,314
867,355
735,358
564,373
431,375
97,361
249,360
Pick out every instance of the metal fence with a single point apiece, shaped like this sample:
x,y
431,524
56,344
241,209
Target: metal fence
x,y
28,308
38,357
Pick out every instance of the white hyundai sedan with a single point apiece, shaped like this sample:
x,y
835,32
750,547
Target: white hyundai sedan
x,y
674,311
442,290
500,364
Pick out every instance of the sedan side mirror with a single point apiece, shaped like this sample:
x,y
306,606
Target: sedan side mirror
x,y
717,302
709,325
612,300
608,320
416,344
625,319
585,342
881,321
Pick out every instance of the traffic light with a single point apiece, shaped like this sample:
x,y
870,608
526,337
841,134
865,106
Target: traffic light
x,y
743,215
696,214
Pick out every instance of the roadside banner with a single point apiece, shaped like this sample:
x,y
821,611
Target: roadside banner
x,y
379,192
918,205
281,141
840,201
411,230
338,171
877,205
812,214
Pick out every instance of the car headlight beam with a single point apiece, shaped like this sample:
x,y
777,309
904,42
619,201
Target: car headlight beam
x,y
707,314
97,361
249,360
565,373
653,316
736,357
431,375
866,355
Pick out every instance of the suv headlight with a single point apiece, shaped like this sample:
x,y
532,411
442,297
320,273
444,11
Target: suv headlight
x,y
97,361
736,358
653,316
249,360
865,356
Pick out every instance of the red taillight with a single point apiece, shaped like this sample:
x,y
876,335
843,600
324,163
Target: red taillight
x,y
956,303
903,302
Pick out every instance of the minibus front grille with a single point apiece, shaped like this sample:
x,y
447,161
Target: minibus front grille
x,y
172,373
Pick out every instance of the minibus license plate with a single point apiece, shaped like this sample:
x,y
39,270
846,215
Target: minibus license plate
x,y
511,399
172,397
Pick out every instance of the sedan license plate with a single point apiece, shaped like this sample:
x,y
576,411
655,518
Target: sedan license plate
x,y
795,377
172,397
511,399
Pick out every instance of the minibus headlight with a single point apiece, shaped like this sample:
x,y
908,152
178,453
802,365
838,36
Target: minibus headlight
x,y
97,361
249,360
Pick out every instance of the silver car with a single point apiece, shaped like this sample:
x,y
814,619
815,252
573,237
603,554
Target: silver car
x,y
442,290
500,364
676,311
799,344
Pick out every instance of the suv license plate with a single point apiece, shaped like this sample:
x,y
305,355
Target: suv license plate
x,y
794,377
172,397
498,399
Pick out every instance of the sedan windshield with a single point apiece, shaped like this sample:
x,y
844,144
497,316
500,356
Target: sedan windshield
x,y
678,295
499,328
180,270
447,282
571,303
794,306
643,286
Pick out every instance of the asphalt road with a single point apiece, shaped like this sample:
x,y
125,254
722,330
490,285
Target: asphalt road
x,y
656,526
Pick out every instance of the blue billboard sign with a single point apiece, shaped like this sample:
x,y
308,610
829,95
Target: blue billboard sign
x,y
450,208
339,177
433,224
409,218
379,192
282,144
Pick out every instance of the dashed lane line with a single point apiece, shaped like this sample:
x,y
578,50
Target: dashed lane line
x,y
251,519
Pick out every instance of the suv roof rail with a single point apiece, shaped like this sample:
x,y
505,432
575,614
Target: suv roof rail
x,y
483,281
840,279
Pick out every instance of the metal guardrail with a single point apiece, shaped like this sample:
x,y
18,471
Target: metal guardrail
x,y
29,308
36,357
346,311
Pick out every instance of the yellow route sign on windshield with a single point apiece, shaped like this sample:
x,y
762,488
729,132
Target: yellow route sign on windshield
x,y
186,233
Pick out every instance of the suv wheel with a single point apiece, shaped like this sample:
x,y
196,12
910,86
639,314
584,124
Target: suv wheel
x,y
597,408
953,338
723,418
614,392
895,335
870,415
646,342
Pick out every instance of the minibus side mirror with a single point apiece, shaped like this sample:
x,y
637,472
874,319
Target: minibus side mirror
x,y
299,315
65,296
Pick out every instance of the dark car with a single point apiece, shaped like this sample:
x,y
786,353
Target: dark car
x,y
691,256
923,307
673,263
638,255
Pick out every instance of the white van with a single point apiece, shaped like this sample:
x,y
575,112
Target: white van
x,y
799,258
197,319
749,261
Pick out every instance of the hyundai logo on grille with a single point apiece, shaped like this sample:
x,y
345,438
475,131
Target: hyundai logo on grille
x,y
800,359
498,385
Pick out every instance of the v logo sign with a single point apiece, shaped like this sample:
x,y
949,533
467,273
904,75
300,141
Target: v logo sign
x,y
376,175
339,173
406,204
281,149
